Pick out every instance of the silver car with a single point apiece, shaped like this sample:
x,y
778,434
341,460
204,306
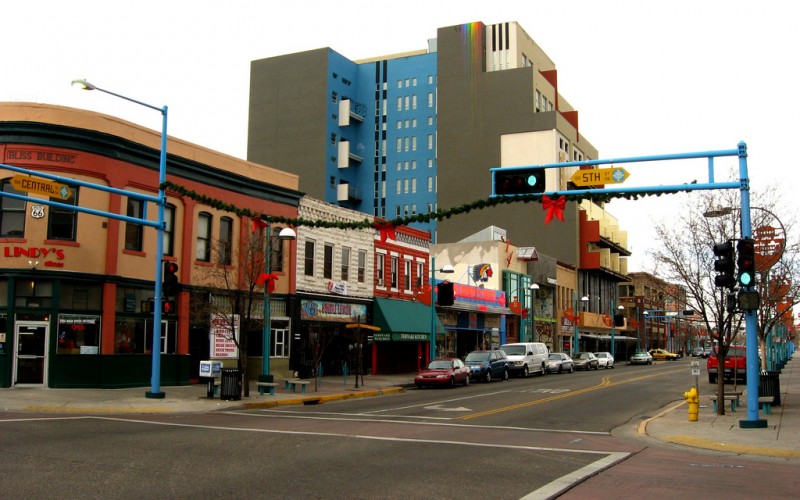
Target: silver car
x,y
558,362
641,358
604,360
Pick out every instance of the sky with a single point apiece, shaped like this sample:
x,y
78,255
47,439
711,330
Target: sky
x,y
647,77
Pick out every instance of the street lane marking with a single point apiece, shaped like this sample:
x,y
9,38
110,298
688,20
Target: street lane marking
x,y
564,483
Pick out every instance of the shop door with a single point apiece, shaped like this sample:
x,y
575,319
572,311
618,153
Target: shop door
x,y
30,360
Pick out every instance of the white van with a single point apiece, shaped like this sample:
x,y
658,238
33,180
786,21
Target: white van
x,y
526,357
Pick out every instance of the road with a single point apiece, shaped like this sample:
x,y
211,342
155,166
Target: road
x,y
569,434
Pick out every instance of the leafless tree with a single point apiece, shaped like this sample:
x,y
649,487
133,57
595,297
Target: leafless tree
x,y
685,257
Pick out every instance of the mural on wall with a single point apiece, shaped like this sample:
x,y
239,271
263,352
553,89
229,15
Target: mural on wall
x,y
481,273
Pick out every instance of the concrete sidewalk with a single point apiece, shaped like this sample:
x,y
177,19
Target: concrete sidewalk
x,y
781,437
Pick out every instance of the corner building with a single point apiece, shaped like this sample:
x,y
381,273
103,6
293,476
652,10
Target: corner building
x,y
77,288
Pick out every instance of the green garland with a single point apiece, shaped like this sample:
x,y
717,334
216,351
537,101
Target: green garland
x,y
438,215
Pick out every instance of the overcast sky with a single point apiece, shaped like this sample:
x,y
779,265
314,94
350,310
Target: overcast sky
x,y
647,77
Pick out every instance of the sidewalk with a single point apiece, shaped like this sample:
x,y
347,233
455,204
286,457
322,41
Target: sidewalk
x,y
190,398
781,437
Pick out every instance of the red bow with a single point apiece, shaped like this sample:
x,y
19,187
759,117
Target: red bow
x,y
424,295
387,231
554,208
570,315
258,223
268,279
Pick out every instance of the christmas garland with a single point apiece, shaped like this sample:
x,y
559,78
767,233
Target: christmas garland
x,y
385,226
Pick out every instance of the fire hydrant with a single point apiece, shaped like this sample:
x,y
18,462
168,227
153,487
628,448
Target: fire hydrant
x,y
693,399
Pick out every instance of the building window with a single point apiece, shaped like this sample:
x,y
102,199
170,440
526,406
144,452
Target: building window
x,y
78,334
414,102
169,230
395,268
379,268
308,258
430,184
399,104
226,240
430,99
276,250
63,221
202,250
399,144
12,215
280,339
327,261
420,274
362,265
345,263
407,277
413,143
133,230
414,185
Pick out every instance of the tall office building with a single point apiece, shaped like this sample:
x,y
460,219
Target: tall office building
x,y
406,134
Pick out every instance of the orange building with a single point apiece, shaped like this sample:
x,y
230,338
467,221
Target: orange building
x,y
76,288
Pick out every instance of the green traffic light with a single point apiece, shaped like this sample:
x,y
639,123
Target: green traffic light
x,y
531,180
745,279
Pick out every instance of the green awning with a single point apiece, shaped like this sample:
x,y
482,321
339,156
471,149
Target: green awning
x,y
404,316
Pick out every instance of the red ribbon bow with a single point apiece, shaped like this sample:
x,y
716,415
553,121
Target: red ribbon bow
x,y
570,315
258,223
268,279
387,231
554,208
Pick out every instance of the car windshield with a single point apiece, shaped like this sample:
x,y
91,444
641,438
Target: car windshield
x,y
440,365
555,356
600,355
477,356
514,350
735,351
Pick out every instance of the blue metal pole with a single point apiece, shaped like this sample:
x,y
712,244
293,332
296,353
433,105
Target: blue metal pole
x,y
155,376
613,313
577,318
751,334
267,329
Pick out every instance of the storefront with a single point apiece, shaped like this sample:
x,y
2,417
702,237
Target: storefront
x,y
476,320
403,344
323,340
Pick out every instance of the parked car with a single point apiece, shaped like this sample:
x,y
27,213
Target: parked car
x,y
696,352
488,365
707,351
663,354
559,362
443,372
585,361
735,365
526,357
641,358
604,359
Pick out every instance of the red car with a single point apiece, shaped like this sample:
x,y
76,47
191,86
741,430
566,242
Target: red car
x,y
445,372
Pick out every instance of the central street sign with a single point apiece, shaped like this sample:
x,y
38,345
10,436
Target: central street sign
x,y
597,176
41,186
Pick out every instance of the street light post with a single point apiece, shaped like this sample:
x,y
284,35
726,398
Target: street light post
x,y
447,269
286,234
155,376
584,299
611,308
534,290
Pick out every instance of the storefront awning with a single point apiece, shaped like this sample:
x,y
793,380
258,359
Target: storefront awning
x,y
404,316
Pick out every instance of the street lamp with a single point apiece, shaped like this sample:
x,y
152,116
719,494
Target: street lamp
x,y
447,269
584,299
534,287
522,303
285,234
155,376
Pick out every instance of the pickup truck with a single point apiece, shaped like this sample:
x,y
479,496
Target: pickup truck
x,y
735,364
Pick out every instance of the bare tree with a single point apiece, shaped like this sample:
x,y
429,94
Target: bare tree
x,y
685,257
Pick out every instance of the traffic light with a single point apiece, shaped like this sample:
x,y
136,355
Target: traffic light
x,y
746,262
724,265
169,286
168,307
619,320
445,294
518,180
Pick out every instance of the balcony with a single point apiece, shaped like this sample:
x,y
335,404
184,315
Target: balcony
x,y
345,155
346,193
351,110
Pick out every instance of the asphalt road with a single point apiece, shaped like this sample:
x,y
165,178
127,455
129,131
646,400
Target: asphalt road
x,y
535,437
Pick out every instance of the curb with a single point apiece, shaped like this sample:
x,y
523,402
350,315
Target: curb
x,y
312,400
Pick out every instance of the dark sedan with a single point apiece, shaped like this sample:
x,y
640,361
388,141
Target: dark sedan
x,y
585,361
445,372
488,365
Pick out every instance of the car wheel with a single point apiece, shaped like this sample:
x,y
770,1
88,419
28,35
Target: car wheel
x,y
505,375
571,368
419,386
612,366
466,381
525,372
544,370
452,382
488,377
712,379
596,367
560,368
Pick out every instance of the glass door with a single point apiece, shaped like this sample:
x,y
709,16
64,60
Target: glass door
x,y
30,360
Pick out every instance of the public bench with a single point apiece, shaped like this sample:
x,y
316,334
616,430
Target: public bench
x,y
732,397
292,383
269,386
766,404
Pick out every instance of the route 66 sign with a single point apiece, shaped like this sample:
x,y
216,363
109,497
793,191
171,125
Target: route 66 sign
x,y
37,211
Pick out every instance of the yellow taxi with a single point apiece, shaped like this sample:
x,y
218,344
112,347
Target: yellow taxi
x,y
663,354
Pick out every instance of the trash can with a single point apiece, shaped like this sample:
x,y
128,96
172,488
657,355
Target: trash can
x,y
230,387
770,386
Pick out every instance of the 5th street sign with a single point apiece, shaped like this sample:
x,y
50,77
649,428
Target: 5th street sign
x,y
41,186
597,176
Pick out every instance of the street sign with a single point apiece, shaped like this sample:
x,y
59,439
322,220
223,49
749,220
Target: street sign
x,y
695,368
597,176
41,186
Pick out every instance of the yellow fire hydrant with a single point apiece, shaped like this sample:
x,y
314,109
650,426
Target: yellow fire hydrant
x,y
693,399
